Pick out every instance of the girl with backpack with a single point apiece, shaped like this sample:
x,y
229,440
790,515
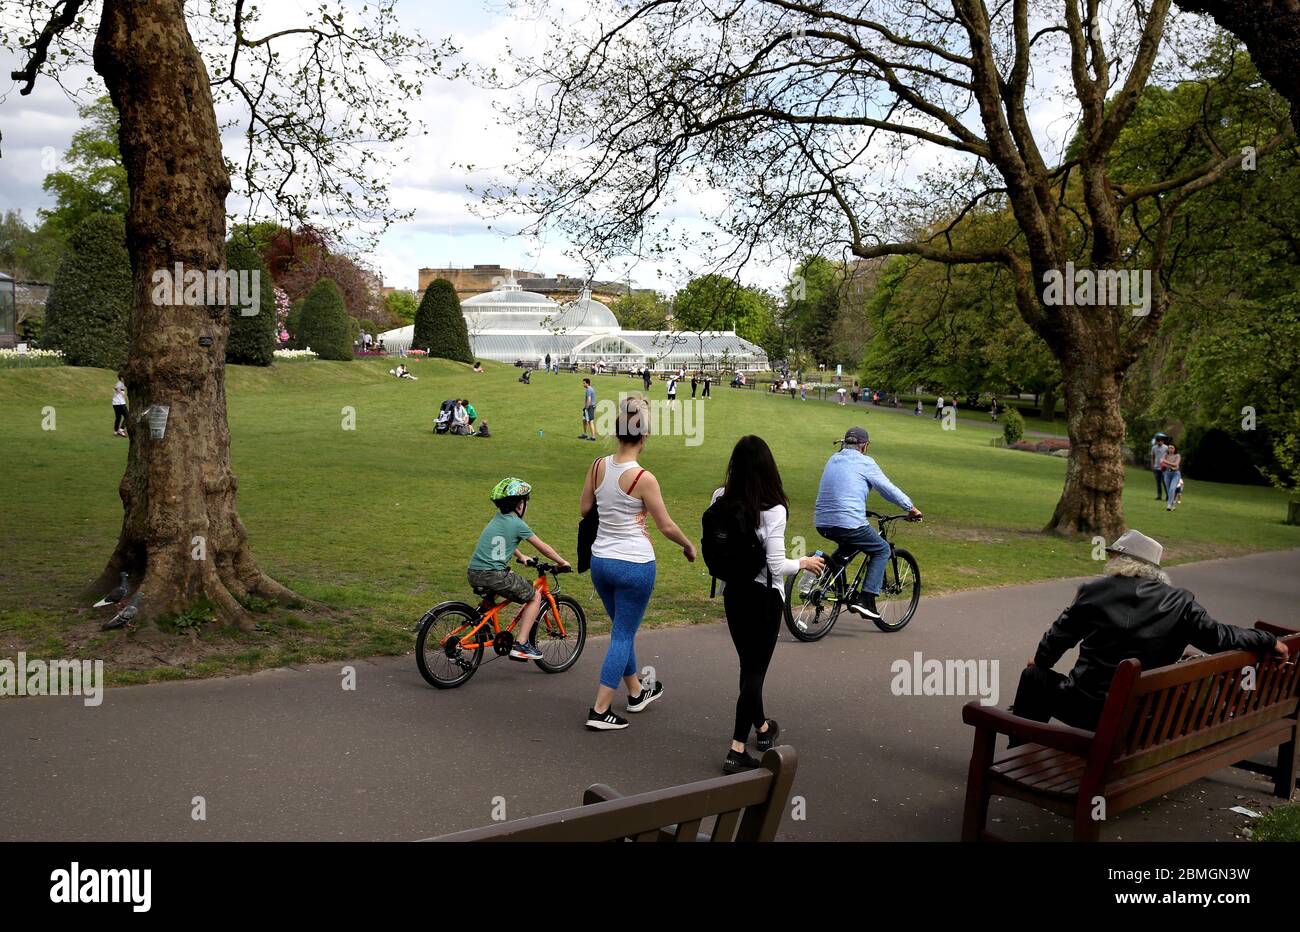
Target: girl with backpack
x,y
752,501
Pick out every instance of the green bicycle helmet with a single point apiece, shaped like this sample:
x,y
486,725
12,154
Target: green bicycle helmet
x,y
510,487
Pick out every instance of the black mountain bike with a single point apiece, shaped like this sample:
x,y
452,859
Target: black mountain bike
x,y
813,603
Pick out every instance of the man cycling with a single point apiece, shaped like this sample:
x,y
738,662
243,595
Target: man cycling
x,y
841,514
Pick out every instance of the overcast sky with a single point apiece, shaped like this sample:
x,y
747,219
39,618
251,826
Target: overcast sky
x,y
462,129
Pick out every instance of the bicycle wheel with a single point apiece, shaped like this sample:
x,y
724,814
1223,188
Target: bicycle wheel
x,y
900,592
443,660
561,651
810,615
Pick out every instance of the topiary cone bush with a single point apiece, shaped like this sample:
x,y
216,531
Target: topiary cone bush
x,y
88,312
253,338
440,324
1013,426
325,326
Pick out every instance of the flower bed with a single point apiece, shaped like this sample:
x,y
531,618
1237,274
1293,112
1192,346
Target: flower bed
x,y
32,359
294,355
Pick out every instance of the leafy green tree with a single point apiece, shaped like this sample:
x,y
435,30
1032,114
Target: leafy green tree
x,y
88,312
402,306
27,252
293,323
641,310
324,325
252,339
92,179
440,324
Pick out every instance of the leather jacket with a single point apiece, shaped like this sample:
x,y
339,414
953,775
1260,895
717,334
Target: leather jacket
x,y
1114,618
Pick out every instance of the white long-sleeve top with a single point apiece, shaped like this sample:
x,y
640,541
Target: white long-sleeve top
x,y
771,531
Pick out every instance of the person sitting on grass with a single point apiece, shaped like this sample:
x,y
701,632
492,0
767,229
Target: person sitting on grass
x,y
489,566
402,372
1132,611
478,366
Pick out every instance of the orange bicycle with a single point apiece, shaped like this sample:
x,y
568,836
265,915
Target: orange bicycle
x,y
454,636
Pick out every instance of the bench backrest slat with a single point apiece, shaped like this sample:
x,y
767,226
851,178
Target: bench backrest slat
x,y
1184,707
751,805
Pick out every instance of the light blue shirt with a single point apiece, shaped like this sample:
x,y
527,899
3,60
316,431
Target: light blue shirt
x,y
847,480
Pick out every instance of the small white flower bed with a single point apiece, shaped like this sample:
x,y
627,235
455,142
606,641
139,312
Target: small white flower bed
x,y
12,359
295,355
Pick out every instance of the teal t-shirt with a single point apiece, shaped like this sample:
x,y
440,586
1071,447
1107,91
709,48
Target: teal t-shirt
x,y
496,545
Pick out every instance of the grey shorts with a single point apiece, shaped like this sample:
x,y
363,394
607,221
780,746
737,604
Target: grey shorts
x,y
589,413
505,583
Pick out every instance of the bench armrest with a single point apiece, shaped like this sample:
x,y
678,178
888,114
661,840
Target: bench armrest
x,y
599,793
1279,631
1061,737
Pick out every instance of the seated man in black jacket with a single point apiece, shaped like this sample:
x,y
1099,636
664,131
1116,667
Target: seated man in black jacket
x,y
1132,611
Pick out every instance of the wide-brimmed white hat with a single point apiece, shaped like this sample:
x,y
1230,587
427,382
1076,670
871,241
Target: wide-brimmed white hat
x,y
1137,545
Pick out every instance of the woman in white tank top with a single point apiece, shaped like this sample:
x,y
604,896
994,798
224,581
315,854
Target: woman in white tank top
x,y
623,559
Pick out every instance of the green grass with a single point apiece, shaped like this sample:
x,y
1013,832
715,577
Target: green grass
x,y
1281,824
378,522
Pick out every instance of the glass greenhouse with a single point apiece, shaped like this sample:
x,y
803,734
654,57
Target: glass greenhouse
x,y
513,325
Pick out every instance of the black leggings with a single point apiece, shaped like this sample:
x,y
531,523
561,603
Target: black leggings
x,y
119,417
754,619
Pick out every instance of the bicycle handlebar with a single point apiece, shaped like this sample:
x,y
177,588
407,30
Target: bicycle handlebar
x,y
542,567
902,517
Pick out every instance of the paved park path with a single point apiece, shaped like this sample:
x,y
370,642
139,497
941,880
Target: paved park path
x,y
289,754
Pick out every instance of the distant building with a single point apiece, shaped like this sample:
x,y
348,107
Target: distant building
x,y
481,279
512,324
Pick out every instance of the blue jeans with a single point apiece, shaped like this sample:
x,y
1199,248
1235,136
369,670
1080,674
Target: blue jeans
x,y
1171,484
853,540
624,587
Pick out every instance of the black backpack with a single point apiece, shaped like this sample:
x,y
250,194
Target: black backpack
x,y
730,544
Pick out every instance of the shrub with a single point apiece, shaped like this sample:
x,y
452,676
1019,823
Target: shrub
x,y
440,324
253,339
293,322
1216,455
325,327
88,312
1013,426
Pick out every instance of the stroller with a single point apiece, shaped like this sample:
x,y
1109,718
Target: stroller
x,y
443,424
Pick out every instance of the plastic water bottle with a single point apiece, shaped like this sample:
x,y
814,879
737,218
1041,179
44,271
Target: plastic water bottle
x,y
808,580
541,433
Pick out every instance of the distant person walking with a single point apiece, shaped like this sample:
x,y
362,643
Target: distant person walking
x,y
938,407
694,383
919,408
754,606
623,559
119,407
645,378
672,387
708,380
588,411
1172,464
1159,447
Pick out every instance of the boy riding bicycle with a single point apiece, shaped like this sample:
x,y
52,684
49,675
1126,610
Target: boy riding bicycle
x,y
841,515
489,567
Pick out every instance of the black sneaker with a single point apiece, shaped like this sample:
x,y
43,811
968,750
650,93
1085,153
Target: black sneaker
x,y
638,703
605,721
739,762
865,607
766,739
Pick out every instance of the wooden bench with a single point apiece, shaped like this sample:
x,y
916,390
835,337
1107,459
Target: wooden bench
x,y
748,806
1158,730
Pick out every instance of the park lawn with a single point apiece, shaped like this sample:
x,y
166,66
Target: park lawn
x,y
378,522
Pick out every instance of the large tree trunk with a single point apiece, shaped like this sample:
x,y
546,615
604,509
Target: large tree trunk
x,y
181,539
1092,500
1048,411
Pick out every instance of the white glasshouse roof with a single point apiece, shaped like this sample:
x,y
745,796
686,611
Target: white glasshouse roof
x,y
511,325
